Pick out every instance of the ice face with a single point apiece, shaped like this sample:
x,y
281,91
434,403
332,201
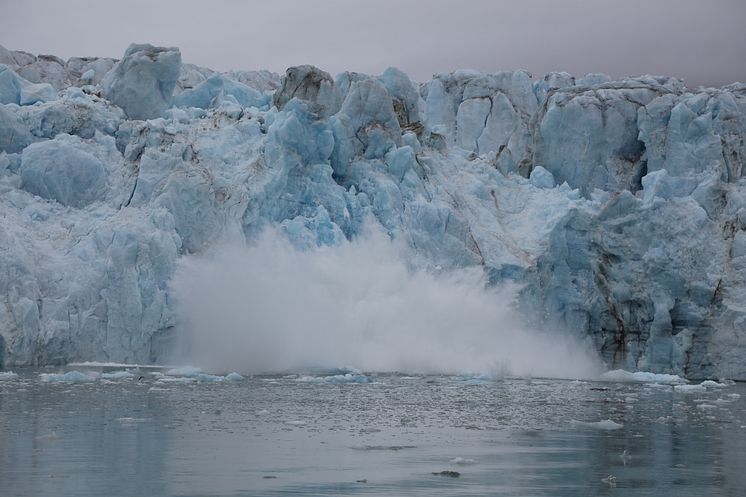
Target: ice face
x,y
310,84
210,92
17,90
63,172
620,206
142,83
14,135
487,114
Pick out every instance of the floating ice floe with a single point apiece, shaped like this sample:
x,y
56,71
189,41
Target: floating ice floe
x,y
621,375
190,373
69,377
605,424
689,388
714,384
336,379
702,387
8,375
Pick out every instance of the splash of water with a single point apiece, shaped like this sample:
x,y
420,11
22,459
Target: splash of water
x,y
270,307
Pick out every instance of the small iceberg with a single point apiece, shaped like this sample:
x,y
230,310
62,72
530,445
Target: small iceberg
x,y
234,377
620,375
8,375
713,384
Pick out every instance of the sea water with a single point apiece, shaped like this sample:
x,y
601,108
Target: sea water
x,y
349,433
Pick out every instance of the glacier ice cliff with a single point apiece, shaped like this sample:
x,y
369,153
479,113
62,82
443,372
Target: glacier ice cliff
x,y
620,206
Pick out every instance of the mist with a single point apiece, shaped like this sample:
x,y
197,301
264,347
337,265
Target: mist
x,y
269,308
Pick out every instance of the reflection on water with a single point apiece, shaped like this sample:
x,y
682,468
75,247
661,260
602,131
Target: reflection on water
x,y
282,436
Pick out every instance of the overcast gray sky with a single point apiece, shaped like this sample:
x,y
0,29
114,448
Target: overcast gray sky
x,y
702,41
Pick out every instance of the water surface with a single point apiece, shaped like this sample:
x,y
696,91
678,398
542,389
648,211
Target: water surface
x,y
151,435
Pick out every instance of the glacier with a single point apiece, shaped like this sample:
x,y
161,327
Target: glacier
x,y
619,206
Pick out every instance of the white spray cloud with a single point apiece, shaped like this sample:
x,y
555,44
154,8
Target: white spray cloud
x,y
270,307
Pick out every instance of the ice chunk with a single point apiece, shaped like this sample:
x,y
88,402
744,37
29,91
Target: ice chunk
x,y
605,424
210,92
641,376
541,178
714,384
310,84
589,137
59,171
10,86
234,377
16,90
366,125
40,92
14,135
191,373
336,379
89,70
45,69
689,388
142,83
552,81
69,377
405,97
593,79
7,375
